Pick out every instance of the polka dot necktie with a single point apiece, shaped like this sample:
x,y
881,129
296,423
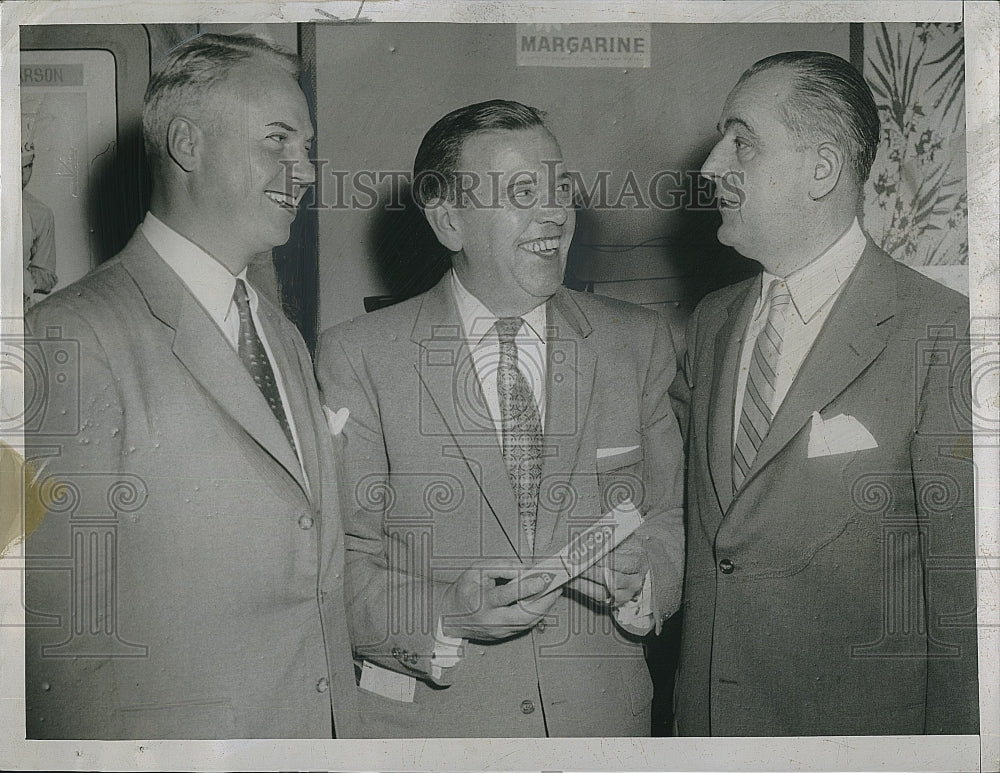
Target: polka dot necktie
x,y
254,357
521,427
758,399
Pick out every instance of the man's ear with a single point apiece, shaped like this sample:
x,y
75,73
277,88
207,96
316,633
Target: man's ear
x,y
445,222
184,141
826,173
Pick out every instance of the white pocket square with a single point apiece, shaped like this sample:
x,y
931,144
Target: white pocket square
x,y
336,419
841,434
604,453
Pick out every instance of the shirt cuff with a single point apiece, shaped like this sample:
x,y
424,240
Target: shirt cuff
x,y
446,653
635,615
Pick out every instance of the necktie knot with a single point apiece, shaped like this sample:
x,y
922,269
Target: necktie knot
x,y
507,329
241,298
780,296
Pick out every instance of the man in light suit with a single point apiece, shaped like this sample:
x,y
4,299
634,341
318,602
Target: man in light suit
x,y
187,580
830,583
488,421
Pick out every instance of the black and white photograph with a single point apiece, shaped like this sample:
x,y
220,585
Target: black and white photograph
x,y
502,386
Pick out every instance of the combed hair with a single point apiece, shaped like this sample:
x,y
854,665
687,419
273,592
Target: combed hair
x,y
440,151
189,73
829,99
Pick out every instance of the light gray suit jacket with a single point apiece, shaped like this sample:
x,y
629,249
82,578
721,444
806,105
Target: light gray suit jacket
x,y
432,496
187,582
834,594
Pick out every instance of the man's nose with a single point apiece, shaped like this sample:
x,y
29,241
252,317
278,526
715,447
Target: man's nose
x,y
552,209
301,166
715,165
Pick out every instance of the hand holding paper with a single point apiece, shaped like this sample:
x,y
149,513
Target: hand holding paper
x,y
591,546
625,570
477,607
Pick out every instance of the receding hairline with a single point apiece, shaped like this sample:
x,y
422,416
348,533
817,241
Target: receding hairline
x,y
790,76
239,84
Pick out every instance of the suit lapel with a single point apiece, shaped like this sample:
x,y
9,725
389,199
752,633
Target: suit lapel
x,y
854,334
286,362
722,403
204,351
444,367
571,366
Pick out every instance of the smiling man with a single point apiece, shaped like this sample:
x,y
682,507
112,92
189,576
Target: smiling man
x,y
488,422
190,427
830,584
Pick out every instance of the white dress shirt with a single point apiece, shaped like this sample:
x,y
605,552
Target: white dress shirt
x,y
813,288
481,338
212,286
484,345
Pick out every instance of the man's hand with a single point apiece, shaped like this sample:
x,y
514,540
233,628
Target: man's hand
x,y
627,567
476,607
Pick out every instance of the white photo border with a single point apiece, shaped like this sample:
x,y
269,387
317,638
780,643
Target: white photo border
x,y
912,753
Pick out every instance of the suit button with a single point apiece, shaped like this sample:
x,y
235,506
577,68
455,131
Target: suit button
x,y
395,652
323,684
527,707
726,566
540,627
305,522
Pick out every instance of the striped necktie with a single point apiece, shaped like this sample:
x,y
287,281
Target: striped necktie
x,y
758,398
254,357
521,427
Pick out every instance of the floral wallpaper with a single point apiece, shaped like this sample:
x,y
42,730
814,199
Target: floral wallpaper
x,y
916,198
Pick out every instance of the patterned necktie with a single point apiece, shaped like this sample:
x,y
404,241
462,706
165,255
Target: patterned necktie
x,y
521,427
758,398
254,357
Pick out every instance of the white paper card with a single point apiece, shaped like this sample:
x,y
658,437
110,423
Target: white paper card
x,y
588,547
388,684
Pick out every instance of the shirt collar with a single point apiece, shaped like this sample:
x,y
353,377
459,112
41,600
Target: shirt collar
x,y
208,280
478,320
815,283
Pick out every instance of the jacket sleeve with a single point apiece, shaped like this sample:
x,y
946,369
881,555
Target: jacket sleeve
x,y
681,386
942,468
662,532
77,451
391,601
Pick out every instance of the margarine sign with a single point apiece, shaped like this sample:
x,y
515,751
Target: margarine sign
x,y
583,45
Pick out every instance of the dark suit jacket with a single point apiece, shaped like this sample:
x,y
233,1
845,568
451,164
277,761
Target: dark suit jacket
x,y
432,496
203,577
834,595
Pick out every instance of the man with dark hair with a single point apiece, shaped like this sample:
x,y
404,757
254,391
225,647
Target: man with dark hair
x,y
487,423
194,496
830,577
